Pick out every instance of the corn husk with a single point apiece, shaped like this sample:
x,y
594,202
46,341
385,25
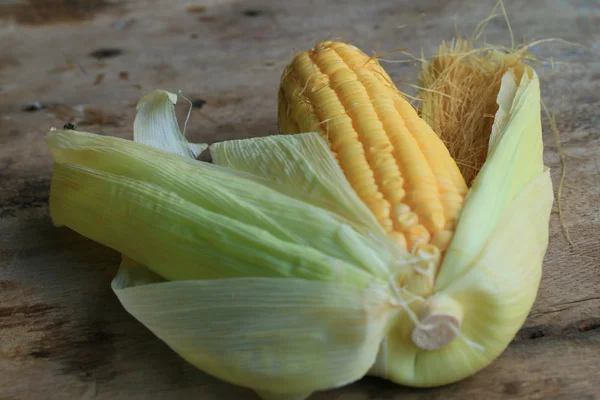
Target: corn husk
x,y
177,219
266,270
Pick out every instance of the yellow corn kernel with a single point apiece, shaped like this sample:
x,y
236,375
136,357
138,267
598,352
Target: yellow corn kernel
x,y
394,161
441,239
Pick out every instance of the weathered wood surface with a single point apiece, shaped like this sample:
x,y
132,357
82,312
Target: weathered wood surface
x,y
63,334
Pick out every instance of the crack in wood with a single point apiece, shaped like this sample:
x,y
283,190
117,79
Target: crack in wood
x,y
579,301
579,328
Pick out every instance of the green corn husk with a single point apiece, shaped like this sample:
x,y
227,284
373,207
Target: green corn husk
x,y
170,186
267,271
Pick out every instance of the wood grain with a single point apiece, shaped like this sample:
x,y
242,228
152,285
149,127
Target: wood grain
x,y
63,334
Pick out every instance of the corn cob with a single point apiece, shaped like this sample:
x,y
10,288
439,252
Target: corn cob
x,y
396,164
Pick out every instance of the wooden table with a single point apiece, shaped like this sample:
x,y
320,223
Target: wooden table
x,y
64,335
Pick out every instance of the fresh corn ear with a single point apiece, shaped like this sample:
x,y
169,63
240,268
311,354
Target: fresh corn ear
x,y
285,267
396,164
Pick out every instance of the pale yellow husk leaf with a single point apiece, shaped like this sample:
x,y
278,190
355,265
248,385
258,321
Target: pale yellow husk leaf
x,y
300,164
288,336
156,125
